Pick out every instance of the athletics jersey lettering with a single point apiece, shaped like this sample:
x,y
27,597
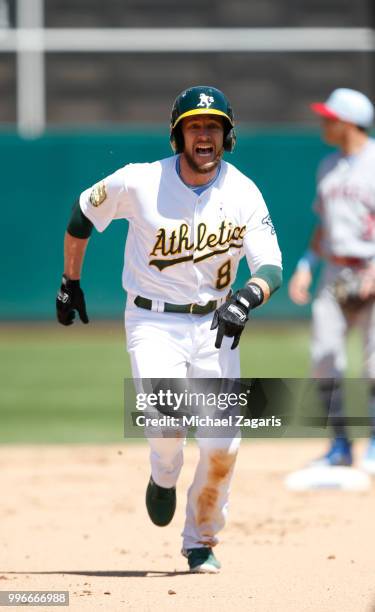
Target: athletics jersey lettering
x,y
227,233
177,242
175,245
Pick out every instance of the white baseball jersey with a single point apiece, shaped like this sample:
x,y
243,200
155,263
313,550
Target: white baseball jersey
x,y
346,202
183,247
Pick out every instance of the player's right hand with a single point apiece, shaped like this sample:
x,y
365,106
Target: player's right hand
x,y
299,287
69,299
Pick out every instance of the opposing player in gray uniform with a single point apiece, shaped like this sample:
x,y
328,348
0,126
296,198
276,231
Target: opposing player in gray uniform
x,y
345,239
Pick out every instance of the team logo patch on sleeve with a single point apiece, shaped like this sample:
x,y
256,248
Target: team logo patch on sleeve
x,y
98,194
268,221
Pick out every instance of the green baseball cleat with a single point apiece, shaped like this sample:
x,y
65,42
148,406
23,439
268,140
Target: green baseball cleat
x,y
202,560
160,503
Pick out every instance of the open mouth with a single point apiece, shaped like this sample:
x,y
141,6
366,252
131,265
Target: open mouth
x,y
204,150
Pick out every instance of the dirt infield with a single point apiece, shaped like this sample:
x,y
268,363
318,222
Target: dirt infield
x,y
73,518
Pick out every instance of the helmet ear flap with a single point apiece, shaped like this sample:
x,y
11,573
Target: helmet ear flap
x,y
177,139
172,140
230,141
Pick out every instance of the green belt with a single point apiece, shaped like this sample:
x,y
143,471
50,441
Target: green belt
x,y
142,302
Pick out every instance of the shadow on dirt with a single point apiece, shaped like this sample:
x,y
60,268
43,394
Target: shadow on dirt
x,y
105,573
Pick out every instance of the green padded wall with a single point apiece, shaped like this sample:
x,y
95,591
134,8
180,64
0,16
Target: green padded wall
x,y
41,178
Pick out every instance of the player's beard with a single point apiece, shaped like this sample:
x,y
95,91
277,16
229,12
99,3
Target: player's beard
x,y
203,168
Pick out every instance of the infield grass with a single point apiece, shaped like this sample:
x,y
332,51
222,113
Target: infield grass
x,y
66,384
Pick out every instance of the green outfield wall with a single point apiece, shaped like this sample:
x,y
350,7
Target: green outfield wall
x,y
41,178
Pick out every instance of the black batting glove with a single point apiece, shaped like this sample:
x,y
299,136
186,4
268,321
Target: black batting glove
x,y
69,299
230,318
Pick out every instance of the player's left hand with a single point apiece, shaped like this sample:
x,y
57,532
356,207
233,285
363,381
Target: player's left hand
x,y
230,318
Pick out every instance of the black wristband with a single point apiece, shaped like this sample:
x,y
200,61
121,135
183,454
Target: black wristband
x,y
250,296
68,282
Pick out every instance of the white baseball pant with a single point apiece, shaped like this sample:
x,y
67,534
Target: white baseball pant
x,y
174,345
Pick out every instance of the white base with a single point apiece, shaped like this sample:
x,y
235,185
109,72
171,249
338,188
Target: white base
x,y
368,466
328,477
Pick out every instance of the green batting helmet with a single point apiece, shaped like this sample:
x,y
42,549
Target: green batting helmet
x,y
201,100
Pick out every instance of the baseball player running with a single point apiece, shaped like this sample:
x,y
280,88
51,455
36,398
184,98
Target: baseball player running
x,y
345,239
191,218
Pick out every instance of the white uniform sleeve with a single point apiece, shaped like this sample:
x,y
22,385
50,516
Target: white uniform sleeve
x,y
260,241
107,200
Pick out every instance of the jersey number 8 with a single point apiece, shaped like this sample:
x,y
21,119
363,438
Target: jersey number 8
x,y
224,275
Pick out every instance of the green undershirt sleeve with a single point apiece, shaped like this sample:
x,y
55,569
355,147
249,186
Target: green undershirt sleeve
x,y
273,275
79,226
